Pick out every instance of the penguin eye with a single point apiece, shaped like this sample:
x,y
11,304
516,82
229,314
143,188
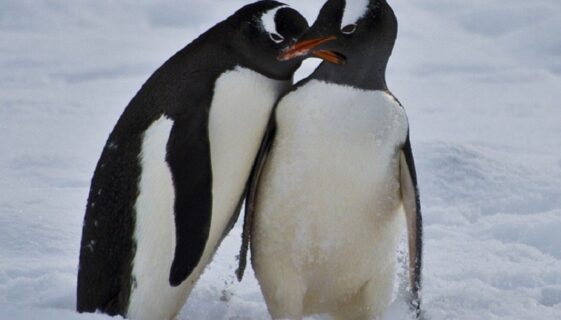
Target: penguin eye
x,y
277,38
349,29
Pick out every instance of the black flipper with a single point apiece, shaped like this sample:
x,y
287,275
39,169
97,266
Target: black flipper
x,y
188,155
412,206
251,194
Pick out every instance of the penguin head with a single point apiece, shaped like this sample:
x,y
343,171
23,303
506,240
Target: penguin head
x,y
261,32
353,35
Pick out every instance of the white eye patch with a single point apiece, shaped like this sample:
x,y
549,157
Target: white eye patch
x,y
354,10
268,20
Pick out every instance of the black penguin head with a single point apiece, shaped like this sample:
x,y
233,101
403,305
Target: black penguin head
x,y
354,37
262,31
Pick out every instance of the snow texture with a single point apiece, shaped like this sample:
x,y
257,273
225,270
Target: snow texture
x,y
481,84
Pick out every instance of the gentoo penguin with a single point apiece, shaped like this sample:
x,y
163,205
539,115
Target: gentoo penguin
x,y
333,175
169,183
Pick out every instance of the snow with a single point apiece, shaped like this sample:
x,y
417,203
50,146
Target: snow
x,y
480,81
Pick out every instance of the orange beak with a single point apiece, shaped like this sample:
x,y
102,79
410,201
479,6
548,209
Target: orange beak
x,y
330,56
304,47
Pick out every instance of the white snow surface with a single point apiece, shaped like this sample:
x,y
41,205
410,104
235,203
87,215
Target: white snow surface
x,y
481,82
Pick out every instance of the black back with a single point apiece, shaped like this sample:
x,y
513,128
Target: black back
x,y
181,89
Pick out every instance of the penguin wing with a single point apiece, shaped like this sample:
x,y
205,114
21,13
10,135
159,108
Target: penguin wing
x,y
412,206
188,157
251,194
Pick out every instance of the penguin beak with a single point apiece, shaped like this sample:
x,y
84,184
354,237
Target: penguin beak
x,y
303,48
330,56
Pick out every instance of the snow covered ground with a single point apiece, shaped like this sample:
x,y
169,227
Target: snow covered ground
x,y
481,81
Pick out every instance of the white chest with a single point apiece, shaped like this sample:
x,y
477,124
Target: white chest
x,y
329,192
336,133
239,114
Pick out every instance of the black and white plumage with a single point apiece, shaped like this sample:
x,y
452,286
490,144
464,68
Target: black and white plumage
x,y
170,181
333,173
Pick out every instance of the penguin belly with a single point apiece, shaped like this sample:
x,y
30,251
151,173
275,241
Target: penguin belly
x,y
326,224
239,113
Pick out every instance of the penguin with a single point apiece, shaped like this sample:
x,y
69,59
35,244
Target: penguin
x,y
334,175
170,181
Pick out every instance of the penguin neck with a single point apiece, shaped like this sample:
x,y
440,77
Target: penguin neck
x,y
186,80
224,56
358,73
214,57
204,57
212,52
